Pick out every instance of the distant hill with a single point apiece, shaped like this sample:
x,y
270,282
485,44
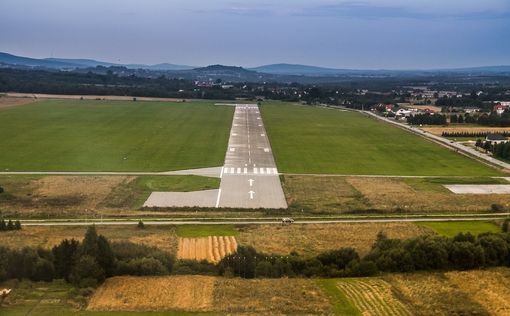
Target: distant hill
x,y
295,69
67,63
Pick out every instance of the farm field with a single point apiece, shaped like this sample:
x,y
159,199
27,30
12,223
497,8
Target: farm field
x,y
70,196
211,248
213,294
74,135
308,240
335,194
477,292
450,229
162,237
324,141
312,239
372,296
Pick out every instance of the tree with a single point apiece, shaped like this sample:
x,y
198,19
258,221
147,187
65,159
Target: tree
x,y
10,225
506,226
89,245
43,270
2,190
338,258
105,257
141,225
3,225
465,255
17,225
87,272
64,256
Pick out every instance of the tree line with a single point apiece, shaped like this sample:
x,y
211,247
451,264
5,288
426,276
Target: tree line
x,y
427,119
473,134
88,263
501,150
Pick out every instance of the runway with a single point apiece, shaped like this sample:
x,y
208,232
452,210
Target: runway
x,y
249,176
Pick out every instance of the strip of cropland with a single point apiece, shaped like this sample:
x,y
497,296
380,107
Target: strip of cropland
x,y
312,140
89,135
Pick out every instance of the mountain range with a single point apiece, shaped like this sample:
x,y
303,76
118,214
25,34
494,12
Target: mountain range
x,y
281,69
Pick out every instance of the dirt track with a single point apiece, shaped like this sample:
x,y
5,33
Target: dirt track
x,y
211,248
7,102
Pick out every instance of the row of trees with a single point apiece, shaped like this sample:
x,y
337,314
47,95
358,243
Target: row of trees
x,y
9,225
427,119
88,263
462,252
501,150
85,263
472,134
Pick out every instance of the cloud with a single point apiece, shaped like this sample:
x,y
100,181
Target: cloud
x,y
362,9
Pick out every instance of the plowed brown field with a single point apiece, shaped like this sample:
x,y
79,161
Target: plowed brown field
x,y
211,248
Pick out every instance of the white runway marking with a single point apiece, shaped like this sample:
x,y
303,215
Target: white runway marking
x,y
232,149
262,135
218,198
251,182
245,170
232,170
238,170
251,194
255,171
266,150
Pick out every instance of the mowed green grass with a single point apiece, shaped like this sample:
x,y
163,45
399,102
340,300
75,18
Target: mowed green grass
x,y
206,230
113,136
325,141
450,229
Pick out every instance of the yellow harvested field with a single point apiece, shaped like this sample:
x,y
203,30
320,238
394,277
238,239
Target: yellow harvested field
x,y
186,293
433,294
162,237
440,130
90,190
312,239
490,288
373,297
211,248
270,297
226,296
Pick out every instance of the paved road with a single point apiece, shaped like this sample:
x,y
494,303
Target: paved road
x,y
250,177
269,221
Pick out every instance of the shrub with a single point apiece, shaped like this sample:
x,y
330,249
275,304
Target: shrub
x,y
87,272
141,225
141,266
1,190
497,208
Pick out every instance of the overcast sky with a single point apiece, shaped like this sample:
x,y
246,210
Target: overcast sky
x,y
372,34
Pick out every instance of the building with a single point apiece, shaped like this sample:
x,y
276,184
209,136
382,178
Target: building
x,y
496,139
501,107
471,110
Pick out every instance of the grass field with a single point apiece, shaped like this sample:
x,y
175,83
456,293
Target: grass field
x,y
76,196
206,230
75,135
355,195
134,193
325,141
451,229
340,304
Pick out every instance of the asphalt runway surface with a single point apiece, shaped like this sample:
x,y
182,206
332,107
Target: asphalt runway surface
x,y
249,177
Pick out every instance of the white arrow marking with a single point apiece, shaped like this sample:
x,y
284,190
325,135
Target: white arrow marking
x,y
251,194
251,182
